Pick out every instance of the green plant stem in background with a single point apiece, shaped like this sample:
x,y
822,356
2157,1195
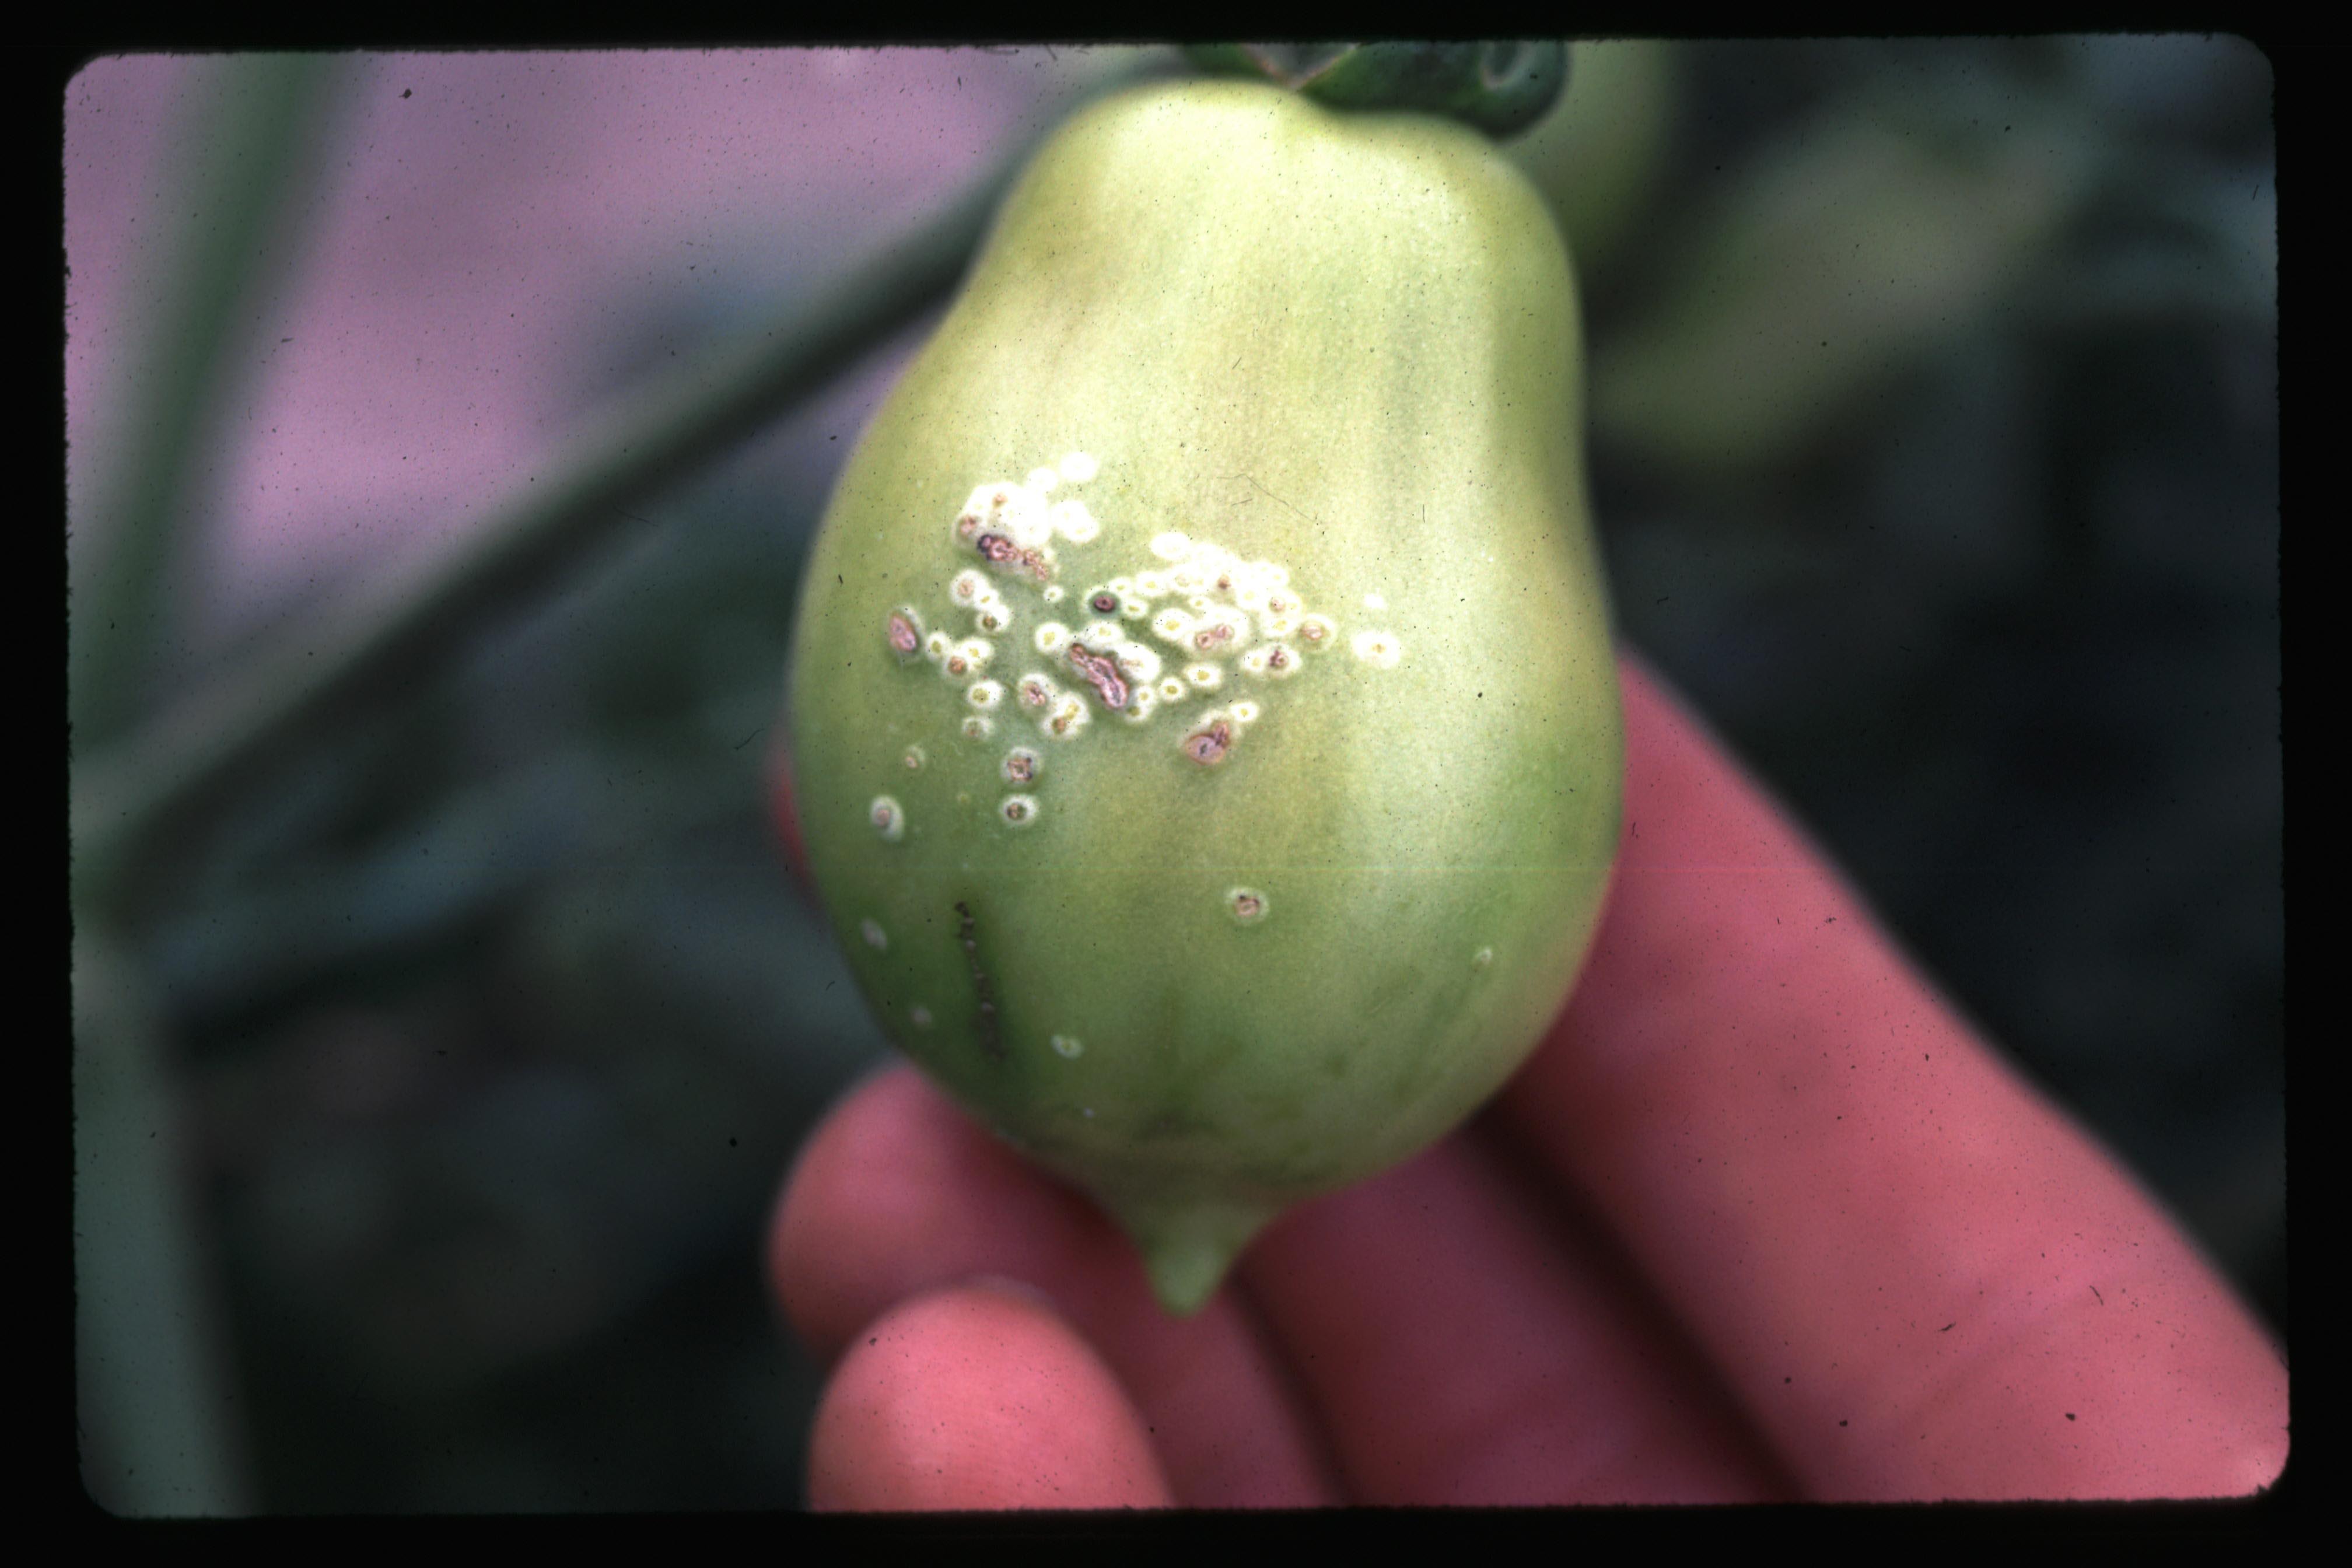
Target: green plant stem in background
x,y
250,136
129,799
155,1406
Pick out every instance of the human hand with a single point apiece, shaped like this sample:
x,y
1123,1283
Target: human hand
x,y
1761,1218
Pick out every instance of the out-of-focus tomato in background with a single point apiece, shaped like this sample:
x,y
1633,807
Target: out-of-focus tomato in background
x,y
1935,446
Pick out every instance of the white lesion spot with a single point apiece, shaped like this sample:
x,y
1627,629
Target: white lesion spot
x,y
871,930
1035,691
985,694
978,727
1018,810
1077,468
1208,743
1136,662
1274,661
1069,1046
1381,650
1017,514
1481,958
1051,638
1073,521
968,656
919,1015
1042,480
1219,632
1247,905
913,756
887,817
1023,765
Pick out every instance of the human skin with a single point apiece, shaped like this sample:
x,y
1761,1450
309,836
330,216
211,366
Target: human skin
x,y
1763,1217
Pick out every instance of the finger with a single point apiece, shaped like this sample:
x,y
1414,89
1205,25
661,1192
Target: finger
x,y
1465,1347
899,1192
976,1399
1920,1278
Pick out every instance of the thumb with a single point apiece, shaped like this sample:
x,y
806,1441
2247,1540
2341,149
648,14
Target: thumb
x,y
978,1397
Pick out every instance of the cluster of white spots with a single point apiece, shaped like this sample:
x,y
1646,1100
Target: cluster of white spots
x,y
875,938
968,656
889,819
1068,1045
1247,905
1012,526
1150,640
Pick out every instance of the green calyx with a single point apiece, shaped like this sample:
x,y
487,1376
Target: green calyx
x,y
1499,88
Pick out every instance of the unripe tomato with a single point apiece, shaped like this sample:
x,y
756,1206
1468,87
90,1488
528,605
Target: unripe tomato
x,y
1204,712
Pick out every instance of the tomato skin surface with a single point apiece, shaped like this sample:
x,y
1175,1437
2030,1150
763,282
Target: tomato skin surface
x,y
1204,711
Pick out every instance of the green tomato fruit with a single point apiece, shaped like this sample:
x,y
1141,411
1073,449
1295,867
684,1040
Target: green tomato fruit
x,y
1204,711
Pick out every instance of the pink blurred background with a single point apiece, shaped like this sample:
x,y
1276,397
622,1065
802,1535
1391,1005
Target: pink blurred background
x,y
485,241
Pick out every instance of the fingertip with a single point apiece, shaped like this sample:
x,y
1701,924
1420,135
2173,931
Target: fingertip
x,y
818,1251
978,1397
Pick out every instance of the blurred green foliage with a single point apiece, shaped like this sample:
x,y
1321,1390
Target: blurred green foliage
x,y
1935,447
